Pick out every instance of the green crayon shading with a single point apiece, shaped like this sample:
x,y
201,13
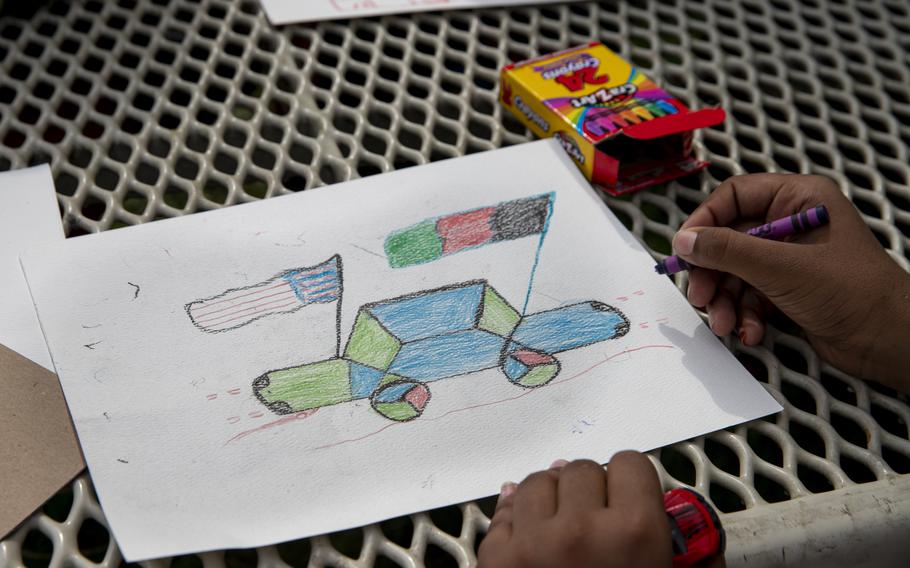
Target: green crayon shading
x,y
414,245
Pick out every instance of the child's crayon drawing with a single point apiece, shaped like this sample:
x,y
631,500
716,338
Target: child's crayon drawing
x,y
399,345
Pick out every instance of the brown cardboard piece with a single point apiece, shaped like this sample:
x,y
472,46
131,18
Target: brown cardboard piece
x,y
39,452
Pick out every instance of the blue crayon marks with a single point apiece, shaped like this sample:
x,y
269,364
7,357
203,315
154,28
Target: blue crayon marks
x,y
570,327
426,315
447,355
364,380
319,284
399,345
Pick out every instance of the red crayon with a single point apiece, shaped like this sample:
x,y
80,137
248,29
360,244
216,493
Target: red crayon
x,y
695,530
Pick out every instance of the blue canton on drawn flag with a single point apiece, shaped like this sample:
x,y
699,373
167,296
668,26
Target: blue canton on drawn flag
x,y
283,294
315,285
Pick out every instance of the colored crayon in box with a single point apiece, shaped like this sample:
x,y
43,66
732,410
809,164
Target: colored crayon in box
x,y
441,236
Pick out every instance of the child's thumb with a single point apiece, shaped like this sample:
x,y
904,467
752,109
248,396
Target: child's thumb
x,y
720,248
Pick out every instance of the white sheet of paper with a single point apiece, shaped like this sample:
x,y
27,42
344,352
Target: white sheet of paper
x,y
28,216
289,11
185,458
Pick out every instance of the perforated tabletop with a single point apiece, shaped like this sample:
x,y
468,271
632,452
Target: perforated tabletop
x,y
153,109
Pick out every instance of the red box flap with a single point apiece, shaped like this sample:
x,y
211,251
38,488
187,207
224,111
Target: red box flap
x,y
675,123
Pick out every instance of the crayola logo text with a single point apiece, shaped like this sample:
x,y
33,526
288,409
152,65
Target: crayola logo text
x,y
529,113
567,65
571,147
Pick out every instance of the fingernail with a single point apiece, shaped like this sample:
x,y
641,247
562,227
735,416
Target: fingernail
x,y
558,464
507,489
753,337
710,320
684,242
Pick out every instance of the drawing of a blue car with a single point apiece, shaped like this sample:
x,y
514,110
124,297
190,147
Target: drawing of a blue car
x,y
399,345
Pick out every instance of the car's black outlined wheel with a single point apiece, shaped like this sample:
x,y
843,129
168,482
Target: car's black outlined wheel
x,y
401,400
527,367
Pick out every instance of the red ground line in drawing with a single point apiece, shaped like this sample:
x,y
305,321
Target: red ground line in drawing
x,y
307,413
284,420
509,399
234,391
212,396
558,381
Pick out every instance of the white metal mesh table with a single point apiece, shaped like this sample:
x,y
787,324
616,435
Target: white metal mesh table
x,y
152,109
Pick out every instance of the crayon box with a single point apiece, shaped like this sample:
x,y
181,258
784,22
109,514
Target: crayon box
x,y
620,128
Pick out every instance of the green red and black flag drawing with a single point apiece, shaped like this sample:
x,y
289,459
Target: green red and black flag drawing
x,y
437,237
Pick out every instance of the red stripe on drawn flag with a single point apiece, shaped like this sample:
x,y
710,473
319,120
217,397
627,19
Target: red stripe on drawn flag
x,y
465,230
284,293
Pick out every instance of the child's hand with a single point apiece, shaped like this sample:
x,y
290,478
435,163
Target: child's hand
x,y
579,515
837,282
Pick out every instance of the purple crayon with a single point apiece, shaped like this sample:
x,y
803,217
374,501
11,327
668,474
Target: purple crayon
x,y
796,223
775,230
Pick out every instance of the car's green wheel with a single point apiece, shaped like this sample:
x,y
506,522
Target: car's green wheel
x,y
529,368
401,400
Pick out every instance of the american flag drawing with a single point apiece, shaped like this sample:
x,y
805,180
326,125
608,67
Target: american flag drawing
x,y
284,293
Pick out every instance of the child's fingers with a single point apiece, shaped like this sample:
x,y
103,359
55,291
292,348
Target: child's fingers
x,y
721,309
753,310
506,495
702,286
582,487
760,262
632,484
740,197
502,517
535,498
